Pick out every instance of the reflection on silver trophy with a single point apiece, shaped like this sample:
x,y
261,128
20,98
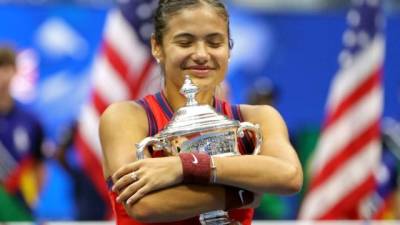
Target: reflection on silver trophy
x,y
198,128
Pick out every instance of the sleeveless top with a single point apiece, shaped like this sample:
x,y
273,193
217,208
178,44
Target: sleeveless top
x,y
159,113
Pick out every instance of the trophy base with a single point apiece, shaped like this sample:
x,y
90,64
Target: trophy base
x,y
218,217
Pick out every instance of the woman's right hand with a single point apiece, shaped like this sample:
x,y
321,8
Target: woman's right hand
x,y
137,179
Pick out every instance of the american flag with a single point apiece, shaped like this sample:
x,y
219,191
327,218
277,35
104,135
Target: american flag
x,y
124,69
349,149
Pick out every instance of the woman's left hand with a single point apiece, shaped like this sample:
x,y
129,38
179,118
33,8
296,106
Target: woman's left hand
x,y
133,181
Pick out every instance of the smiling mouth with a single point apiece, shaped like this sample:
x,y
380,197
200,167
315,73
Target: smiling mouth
x,y
199,72
199,68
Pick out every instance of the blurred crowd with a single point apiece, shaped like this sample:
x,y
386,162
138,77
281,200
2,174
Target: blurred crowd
x,y
26,152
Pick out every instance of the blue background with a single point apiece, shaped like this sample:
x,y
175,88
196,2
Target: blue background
x,y
297,51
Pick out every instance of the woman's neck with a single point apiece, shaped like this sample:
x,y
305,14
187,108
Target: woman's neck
x,y
177,100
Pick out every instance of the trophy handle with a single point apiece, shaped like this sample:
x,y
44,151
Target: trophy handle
x,y
141,146
256,130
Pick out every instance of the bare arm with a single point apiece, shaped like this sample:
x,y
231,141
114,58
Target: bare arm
x,y
121,126
178,203
276,170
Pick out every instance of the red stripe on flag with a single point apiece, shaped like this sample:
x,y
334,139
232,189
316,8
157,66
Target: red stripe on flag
x,y
343,155
366,86
115,61
92,166
346,203
99,103
347,206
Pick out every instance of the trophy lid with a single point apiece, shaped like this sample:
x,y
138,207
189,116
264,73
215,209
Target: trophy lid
x,y
194,118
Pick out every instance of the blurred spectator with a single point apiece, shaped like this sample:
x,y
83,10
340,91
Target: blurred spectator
x,y
88,202
263,92
21,138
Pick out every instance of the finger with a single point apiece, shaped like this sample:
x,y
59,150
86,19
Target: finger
x,y
125,170
124,181
138,195
130,190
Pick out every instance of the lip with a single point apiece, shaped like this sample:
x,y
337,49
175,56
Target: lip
x,y
199,72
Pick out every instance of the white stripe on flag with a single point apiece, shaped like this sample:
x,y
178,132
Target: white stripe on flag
x,y
348,78
338,135
104,78
352,173
89,128
120,35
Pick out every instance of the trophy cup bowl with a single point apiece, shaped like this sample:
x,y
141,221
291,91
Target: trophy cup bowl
x,y
198,128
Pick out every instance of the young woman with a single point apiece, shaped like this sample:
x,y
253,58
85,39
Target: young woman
x,y
191,38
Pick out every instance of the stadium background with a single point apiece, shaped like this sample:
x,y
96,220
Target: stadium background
x,y
293,48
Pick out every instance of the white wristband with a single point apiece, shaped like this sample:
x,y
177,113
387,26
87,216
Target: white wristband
x,y
213,176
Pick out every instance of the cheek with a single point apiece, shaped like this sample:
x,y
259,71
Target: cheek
x,y
222,56
174,59
172,67
223,61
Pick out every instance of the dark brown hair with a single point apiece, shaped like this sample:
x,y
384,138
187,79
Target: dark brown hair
x,y
7,56
167,8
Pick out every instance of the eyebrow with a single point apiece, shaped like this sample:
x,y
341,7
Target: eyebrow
x,y
183,35
189,35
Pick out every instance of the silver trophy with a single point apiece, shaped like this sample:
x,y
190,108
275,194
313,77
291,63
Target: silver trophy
x,y
198,128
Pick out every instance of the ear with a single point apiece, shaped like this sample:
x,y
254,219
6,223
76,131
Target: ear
x,y
156,49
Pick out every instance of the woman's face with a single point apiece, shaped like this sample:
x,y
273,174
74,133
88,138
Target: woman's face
x,y
195,43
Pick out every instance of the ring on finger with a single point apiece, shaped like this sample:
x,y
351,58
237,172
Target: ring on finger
x,y
134,176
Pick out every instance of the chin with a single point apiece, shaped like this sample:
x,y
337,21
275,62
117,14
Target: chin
x,y
204,84
204,81
199,75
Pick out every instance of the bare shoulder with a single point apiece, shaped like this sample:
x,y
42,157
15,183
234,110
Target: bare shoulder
x,y
122,108
267,116
124,114
122,125
254,113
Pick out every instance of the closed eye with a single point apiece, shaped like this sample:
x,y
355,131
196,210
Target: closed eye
x,y
184,44
215,44
184,40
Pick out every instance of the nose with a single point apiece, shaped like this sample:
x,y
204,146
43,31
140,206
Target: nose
x,y
200,54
